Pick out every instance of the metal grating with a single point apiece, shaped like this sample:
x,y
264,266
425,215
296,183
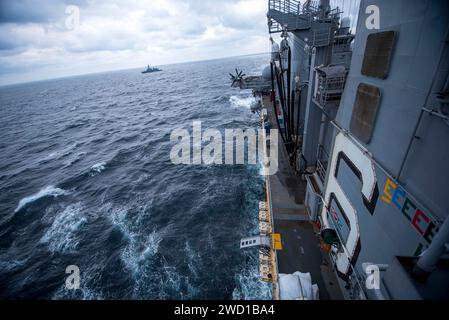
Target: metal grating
x,y
365,111
290,15
378,52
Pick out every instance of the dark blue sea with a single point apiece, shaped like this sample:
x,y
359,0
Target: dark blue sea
x,y
86,180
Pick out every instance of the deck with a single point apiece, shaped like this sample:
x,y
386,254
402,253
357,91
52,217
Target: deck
x,y
300,244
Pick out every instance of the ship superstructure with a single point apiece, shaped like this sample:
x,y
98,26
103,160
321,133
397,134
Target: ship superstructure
x,y
151,69
360,93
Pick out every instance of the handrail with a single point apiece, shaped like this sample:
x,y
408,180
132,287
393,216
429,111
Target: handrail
x,y
293,6
297,16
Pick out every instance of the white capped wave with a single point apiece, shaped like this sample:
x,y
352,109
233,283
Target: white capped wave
x,y
242,102
49,191
98,167
61,236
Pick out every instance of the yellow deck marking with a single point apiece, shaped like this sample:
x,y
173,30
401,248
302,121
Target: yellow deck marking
x,y
276,241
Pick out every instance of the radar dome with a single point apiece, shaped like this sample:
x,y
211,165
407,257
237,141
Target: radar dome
x,y
266,73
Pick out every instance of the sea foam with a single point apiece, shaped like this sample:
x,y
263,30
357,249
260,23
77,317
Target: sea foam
x,y
61,236
49,191
242,102
97,168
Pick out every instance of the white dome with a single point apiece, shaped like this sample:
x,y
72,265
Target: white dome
x,y
266,73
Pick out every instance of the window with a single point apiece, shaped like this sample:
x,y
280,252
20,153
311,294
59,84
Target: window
x,y
365,111
378,52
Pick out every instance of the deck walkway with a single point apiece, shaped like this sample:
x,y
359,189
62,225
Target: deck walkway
x,y
300,245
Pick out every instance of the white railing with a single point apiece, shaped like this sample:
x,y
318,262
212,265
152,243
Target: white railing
x,y
330,90
288,14
285,6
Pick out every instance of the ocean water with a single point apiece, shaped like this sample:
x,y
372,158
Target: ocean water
x,y
86,180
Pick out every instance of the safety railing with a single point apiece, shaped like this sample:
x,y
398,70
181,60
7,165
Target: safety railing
x,y
289,15
329,90
311,7
295,7
285,6
322,161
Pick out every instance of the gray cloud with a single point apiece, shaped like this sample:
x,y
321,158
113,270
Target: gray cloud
x,y
114,34
31,11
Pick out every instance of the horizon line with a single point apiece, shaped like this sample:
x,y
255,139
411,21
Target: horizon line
x,y
118,70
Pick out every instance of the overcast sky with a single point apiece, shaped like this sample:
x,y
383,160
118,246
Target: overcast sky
x,y
41,39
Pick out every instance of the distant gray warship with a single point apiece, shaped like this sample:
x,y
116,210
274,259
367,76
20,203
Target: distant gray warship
x,y
359,205
151,69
